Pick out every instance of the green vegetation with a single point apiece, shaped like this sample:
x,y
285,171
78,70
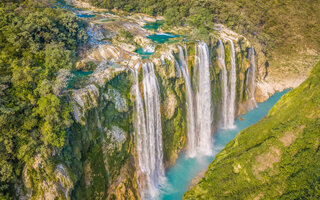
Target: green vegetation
x,y
37,50
280,26
124,36
98,158
277,158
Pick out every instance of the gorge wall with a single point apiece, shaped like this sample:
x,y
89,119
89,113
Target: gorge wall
x,y
276,158
121,158
134,114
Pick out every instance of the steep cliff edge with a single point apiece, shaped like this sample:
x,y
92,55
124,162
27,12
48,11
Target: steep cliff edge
x,y
277,158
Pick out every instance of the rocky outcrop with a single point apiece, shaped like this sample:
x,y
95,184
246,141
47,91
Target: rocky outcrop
x,y
45,180
87,98
104,137
114,96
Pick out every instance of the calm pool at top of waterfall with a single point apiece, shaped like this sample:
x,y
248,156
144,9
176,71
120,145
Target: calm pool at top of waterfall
x,y
161,38
181,174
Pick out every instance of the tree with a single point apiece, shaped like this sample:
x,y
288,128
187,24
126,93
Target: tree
x,y
172,17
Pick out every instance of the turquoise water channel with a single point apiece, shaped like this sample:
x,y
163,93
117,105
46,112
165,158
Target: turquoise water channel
x,y
143,54
158,38
161,38
78,79
85,15
180,175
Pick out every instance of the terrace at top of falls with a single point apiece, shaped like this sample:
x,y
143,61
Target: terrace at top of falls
x,y
118,41
124,39
107,43
120,36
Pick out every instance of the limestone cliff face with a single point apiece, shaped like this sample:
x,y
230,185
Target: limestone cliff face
x,y
45,179
277,73
103,137
100,158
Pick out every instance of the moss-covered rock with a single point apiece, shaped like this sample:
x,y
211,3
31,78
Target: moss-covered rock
x,y
102,143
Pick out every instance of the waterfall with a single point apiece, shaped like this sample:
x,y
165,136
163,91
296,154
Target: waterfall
x,y
232,91
228,91
251,78
140,127
149,132
190,106
204,111
153,119
224,86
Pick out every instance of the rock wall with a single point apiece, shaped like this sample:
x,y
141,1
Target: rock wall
x,y
99,160
104,139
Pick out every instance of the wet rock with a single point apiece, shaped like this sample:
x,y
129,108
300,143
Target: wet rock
x,y
116,136
120,102
170,104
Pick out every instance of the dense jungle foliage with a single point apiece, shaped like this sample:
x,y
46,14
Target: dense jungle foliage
x,y
281,26
277,158
37,50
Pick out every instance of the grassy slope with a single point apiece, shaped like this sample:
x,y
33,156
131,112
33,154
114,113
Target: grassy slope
x,y
277,158
284,26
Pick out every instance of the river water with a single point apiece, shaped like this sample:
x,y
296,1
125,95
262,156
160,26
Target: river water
x,y
181,174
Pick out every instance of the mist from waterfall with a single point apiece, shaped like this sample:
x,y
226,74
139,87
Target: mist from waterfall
x,y
251,80
204,104
149,133
191,135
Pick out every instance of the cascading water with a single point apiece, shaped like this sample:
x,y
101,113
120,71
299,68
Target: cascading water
x,y
251,78
228,90
224,87
140,127
204,105
192,145
232,88
199,111
149,133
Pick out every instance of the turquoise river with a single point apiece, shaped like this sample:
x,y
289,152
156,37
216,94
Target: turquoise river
x,y
179,177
